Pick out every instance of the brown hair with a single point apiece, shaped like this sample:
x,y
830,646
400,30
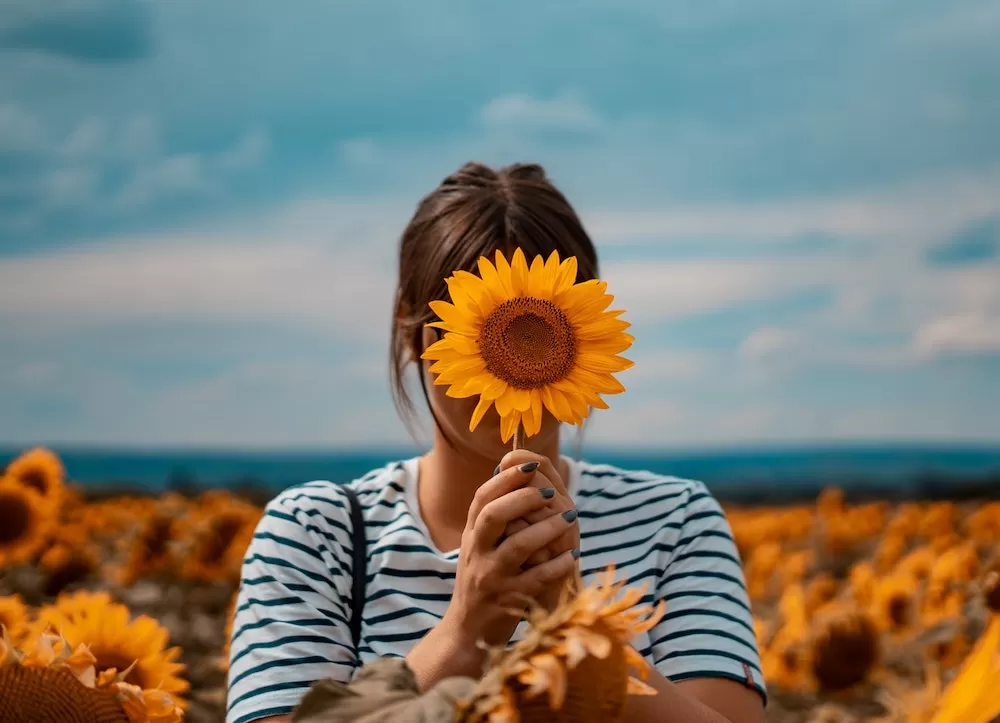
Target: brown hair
x,y
474,212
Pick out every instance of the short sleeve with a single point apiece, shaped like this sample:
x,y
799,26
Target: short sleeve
x,y
290,627
707,629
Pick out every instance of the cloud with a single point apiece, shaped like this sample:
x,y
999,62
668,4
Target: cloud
x,y
963,334
518,112
249,152
88,30
767,342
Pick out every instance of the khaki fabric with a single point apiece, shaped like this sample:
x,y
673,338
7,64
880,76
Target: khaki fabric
x,y
383,691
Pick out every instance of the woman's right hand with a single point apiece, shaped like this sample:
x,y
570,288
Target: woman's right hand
x,y
490,582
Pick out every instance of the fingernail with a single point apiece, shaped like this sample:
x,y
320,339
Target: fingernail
x,y
576,553
496,471
569,516
529,467
548,493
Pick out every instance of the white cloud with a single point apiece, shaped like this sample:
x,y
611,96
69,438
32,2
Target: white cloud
x,y
767,342
525,113
971,333
88,139
182,175
914,215
249,152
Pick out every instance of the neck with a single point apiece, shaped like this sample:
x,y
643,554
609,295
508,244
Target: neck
x,y
449,478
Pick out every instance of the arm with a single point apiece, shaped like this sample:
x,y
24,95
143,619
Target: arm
x,y
707,667
291,623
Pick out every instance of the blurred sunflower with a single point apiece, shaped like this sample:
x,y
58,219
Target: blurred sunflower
x,y
65,564
25,522
894,604
14,616
41,470
526,339
136,646
218,540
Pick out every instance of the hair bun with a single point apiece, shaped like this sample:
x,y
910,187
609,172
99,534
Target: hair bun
x,y
472,173
524,172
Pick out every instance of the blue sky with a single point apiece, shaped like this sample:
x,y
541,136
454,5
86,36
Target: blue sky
x,y
798,205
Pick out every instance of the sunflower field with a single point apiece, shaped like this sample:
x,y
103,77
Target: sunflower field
x,y
118,610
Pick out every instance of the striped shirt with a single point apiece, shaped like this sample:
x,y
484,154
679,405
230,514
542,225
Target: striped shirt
x,y
291,624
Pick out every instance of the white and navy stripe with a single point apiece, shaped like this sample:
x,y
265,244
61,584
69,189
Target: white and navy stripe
x,y
291,627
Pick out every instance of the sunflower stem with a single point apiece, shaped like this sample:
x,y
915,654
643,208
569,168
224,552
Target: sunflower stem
x,y
518,437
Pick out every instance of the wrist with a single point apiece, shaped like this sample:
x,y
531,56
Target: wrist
x,y
445,652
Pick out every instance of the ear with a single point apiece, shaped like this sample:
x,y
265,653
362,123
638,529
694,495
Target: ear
x,y
428,335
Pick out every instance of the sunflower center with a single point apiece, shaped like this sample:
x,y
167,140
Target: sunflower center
x,y
15,518
528,343
35,479
899,611
221,537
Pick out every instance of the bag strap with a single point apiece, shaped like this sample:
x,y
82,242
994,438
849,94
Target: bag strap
x,y
359,568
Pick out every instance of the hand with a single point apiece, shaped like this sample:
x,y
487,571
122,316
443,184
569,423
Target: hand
x,y
490,582
547,475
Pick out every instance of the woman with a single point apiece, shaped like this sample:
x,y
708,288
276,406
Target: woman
x,y
452,537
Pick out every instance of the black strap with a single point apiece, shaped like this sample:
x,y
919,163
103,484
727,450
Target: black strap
x,y
359,569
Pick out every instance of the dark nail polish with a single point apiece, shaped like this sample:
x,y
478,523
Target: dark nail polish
x,y
496,471
529,467
569,516
548,493
576,553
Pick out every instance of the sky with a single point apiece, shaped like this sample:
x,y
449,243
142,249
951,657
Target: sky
x,y
798,205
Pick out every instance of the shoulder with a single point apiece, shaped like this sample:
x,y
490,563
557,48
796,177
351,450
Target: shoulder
x,y
325,504
614,490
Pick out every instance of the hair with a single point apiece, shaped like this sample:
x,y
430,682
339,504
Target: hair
x,y
474,212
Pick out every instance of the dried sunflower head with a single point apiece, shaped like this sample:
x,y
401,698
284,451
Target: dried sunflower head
x,y
54,682
574,664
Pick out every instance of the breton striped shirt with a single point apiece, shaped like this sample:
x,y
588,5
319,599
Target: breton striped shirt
x,y
291,623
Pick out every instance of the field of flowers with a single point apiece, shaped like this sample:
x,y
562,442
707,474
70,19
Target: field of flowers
x,y
862,612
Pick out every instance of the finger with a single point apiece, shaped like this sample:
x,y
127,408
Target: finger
x,y
545,466
499,513
516,549
534,580
497,486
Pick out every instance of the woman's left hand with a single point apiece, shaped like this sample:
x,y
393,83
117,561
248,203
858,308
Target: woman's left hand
x,y
547,475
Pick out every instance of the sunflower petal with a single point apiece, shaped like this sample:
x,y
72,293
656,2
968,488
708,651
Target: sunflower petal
x,y
503,273
519,273
481,409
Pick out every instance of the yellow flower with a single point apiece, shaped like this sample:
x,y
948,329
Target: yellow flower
x,y
53,682
25,522
41,470
13,616
137,646
526,339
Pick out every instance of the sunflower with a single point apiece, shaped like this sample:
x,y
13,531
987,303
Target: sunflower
x,y
137,647
40,469
218,541
66,564
574,663
53,682
25,522
845,648
526,339
14,616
